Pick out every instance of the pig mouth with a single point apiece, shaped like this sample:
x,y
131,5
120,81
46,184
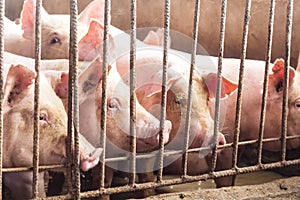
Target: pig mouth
x,y
59,158
150,142
211,145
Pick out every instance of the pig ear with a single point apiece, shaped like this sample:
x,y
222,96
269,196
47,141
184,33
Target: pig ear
x,y
156,38
276,79
28,18
226,89
19,78
89,45
90,77
94,10
156,86
59,82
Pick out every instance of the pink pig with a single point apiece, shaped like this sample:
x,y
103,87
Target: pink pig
x,y
149,78
252,98
19,39
18,131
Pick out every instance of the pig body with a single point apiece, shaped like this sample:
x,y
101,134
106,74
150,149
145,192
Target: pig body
x,y
252,99
18,130
117,128
149,78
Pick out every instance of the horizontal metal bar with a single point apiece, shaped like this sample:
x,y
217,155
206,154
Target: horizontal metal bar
x,y
188,179
23,169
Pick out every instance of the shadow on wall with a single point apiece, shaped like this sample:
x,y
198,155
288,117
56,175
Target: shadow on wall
x,y
182,12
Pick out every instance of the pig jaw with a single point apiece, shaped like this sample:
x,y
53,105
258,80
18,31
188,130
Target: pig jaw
x,y
148,137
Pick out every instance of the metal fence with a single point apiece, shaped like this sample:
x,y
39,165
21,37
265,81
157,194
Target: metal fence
x,y
73,171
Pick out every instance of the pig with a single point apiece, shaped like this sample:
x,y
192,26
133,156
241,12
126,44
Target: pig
x,y
149,78
17,120
19,39
252,99
117,116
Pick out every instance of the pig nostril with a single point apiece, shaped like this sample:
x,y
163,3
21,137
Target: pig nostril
x,y
221,141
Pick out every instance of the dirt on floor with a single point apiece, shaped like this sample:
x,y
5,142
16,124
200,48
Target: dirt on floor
x,y
287,188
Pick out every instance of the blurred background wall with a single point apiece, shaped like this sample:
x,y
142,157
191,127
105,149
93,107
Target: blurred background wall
x,y
150,13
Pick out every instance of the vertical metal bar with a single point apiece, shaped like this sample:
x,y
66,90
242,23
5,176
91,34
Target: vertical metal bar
x,y
2,8
218,92
132,93
266,80
36,99
286,77
189,105
73,69
104,93
164,88
241,83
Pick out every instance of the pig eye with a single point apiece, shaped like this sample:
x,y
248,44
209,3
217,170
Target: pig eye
x,y
177,101
297,103
55,40
43,117
113,103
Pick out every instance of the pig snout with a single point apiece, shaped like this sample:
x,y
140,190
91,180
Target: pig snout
x,y
150,134
221,139
166,133
209,142
89,155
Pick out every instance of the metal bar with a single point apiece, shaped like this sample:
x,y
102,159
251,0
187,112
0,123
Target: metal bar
x,y
2,11
164,88
286,77
240,87
132,93
188,179
218,92
23,169
73,55
190,89
266,80
36,99
104,93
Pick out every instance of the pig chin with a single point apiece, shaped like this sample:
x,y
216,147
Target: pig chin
x,y
150,141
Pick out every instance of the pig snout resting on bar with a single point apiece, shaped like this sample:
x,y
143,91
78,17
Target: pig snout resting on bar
x,y
118,115
149,79
18,130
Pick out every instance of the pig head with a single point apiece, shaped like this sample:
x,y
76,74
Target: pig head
x,y
149,79
252,99
90,98
55,30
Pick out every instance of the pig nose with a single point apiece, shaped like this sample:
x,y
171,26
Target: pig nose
x,y
167,130
221,139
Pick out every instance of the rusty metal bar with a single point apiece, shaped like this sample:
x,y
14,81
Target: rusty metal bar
x,y
240,87
286,77
189,179
266,80
218,92
73,55
23,169
164,88
2,11
36,114
107,7
190,89
176,181
132,158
